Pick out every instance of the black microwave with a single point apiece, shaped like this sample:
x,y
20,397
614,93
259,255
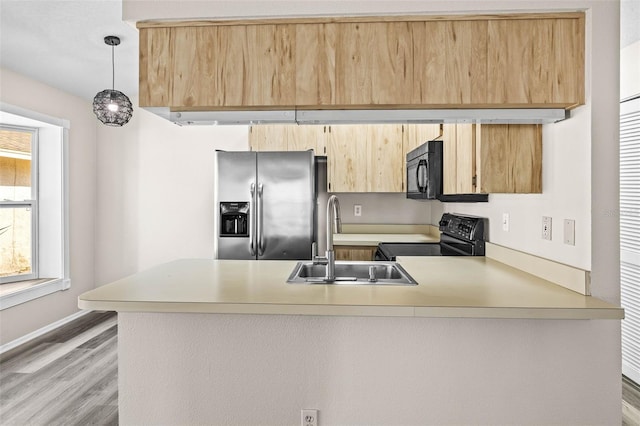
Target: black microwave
x,y
424,171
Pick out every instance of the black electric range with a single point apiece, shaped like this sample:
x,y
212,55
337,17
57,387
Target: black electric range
x,y
459,236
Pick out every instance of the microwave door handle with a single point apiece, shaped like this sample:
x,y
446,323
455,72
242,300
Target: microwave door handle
x,y
252,219
259,221
421,177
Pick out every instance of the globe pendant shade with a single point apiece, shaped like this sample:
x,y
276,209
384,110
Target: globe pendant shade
x,y
112,107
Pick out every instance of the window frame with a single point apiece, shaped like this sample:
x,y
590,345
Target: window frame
x,y
53,135
31,203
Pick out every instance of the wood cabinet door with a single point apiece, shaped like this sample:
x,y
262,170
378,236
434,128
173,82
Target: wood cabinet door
x,y
373,63
155,67
233,66
450,62
358,253
385,161
315,58
536,62
347,158
305,137
510,158
269,137
459,158
288,137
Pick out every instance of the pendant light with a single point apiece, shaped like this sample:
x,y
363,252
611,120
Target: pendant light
x,y
111,106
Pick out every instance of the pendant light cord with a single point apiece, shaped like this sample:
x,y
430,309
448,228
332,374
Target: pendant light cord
x,y
113,71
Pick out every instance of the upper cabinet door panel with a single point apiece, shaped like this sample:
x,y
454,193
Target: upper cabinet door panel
x,y
385,162
537,61
155,70
315,57
569,60
373,64
450,62
234,66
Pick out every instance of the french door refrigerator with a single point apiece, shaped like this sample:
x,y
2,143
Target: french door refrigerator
x,y
265,205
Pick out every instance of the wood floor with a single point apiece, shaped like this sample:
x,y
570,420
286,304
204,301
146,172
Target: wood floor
x,y
67,377
70,377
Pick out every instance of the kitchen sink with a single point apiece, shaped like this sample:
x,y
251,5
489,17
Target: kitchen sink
x,y
349,272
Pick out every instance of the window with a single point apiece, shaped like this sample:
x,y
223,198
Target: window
x,y
34,218
18,204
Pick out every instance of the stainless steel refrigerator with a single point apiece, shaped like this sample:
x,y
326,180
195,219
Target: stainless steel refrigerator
x,y
265,205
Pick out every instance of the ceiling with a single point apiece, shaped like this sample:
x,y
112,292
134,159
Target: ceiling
x,y
61,43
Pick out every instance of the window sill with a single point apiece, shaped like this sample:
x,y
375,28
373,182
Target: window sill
x,y
18,293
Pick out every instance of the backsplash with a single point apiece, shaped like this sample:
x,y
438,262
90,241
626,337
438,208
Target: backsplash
x,y
388,208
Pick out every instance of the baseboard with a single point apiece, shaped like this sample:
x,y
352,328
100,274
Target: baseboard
x,y
41,331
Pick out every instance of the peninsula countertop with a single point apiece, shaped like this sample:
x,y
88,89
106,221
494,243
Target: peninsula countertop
x,y
448,287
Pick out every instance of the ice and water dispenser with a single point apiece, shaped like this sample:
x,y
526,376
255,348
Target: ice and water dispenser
x,y
234,219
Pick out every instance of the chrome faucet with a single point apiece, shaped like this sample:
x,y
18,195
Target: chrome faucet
x,y
333,222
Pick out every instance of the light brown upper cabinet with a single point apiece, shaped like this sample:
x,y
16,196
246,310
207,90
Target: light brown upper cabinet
x,y
535,61
492,158
365,158
475,61
278,137
233,66
450,62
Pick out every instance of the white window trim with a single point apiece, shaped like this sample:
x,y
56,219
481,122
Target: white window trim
x,y
64,282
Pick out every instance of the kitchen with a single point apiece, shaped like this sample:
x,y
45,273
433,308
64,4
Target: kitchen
x,y
141,207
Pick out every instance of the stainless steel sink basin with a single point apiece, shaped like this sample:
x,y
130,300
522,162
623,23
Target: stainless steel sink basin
x,y
349,272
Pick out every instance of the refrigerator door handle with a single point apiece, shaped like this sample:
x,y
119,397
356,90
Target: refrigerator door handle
x,y
252,218
259,221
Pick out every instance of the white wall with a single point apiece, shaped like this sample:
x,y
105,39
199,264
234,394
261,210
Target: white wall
x,y
25,93
154,185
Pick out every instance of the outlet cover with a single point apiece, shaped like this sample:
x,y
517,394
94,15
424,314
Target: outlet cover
x,y
505,222
309,417
357,210
570,232
546,228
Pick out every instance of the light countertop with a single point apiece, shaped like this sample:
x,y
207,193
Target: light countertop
x,y
360,234
375,239
454,287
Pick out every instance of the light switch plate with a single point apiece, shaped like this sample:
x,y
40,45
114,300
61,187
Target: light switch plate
x,y
505,222
570,232
546,228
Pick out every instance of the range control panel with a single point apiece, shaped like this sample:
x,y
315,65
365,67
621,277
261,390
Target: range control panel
x,y
467,228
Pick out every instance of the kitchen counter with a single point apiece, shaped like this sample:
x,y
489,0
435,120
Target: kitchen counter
x,y
449,287
375,239
374,234
231,334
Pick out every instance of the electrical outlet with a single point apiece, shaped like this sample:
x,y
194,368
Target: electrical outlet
x,y
546,228
357,210
570,232
505,222
309,417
